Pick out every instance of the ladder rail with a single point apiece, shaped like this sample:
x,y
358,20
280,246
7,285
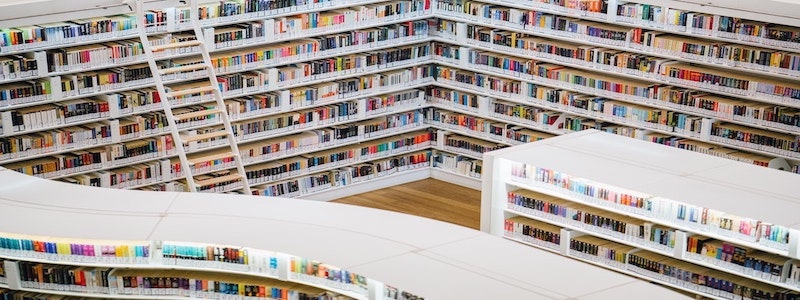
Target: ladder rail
x,y
165,104
212,78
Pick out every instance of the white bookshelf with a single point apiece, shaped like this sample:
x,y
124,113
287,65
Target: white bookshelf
x,y
667,179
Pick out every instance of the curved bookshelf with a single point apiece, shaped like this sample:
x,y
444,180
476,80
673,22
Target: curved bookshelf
x,y
374,243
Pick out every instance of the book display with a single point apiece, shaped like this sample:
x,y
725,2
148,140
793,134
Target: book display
x,y
79,101
665,215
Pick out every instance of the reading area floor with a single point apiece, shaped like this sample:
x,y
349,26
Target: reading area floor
x,y
428,198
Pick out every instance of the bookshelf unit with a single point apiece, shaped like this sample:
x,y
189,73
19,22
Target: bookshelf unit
x,y
709,226
85,108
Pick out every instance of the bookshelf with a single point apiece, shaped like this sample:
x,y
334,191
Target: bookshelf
x,y
656,213
85,108
514,51
105,230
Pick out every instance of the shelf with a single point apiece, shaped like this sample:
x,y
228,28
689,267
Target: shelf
x,y
701,290
738,273
584,40
605,234
681,30
642,173
456,178
376,183
338,164
571,196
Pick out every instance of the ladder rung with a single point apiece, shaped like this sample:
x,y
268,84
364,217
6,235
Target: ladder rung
x,y
184,68
176,45
192,138
211,157
197,90
215,180
198,113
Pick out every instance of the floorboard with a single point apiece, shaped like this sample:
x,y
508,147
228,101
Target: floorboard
x,y
428,198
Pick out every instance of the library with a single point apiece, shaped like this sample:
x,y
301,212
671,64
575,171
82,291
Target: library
x,y
172,149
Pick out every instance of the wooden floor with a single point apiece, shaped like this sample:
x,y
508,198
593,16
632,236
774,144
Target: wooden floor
x,y
428,198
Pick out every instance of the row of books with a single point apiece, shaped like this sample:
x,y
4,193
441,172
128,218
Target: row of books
x,y
619,256
458,164
745,85
469,145
294,24
295,120
513,126
321,270
629,229
18,66
670,212
55,32
237,32
57,250
530,231
209,285
354,62
59,114
93,56
650,16
461,99
345,176
96,158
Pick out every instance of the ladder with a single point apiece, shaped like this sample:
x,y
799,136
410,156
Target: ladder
x,y
231,172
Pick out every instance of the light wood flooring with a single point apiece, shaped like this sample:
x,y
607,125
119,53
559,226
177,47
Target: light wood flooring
x,y
428,198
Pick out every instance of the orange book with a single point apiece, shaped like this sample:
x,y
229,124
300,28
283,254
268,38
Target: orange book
x,y
39,271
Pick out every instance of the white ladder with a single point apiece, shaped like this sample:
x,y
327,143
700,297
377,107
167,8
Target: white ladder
x,y
221,176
